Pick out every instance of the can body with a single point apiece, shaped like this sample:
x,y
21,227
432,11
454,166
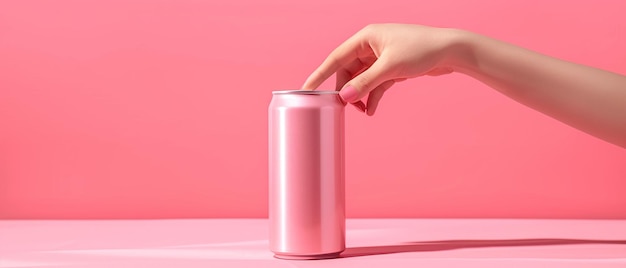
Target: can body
x,y
306,174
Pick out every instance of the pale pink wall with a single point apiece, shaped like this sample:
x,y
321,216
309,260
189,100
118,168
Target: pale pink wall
x,y
141,109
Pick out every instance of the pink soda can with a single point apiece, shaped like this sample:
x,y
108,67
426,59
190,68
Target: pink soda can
x,y
306,174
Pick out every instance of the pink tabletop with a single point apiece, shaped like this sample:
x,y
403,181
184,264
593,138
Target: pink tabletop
x,y
371,243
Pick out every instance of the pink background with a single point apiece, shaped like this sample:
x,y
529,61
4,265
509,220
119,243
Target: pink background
x,y
157,109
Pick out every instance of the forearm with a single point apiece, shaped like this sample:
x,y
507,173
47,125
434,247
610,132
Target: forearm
x,y
589,99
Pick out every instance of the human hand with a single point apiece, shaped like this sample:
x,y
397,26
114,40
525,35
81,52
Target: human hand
x,y
379,55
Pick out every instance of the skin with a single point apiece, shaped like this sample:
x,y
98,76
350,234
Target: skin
x,y
375,58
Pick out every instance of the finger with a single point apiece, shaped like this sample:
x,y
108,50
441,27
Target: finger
x,y
376,95
365,82
440,71
351,70
341,56
360,106
345,74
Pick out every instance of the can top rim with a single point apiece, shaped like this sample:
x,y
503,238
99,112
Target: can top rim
x,y
305,92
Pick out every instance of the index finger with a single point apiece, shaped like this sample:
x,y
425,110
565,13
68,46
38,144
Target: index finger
x,y
341,56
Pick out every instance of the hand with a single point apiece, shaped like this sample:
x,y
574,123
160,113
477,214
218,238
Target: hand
x,y
371,61
379,55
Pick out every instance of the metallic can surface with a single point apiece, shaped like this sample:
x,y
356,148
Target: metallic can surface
x,y
306,174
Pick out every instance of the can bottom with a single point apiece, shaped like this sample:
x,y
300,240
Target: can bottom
x,y
308,257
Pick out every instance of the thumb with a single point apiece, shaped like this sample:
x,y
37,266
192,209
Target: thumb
x,y
365,82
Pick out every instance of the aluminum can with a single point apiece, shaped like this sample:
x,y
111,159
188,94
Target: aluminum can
x,y
306,174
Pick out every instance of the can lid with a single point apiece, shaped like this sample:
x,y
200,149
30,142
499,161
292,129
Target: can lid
x,y
305,92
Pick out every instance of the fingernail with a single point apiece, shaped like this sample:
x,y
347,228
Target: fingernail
x,y
349,94
359,105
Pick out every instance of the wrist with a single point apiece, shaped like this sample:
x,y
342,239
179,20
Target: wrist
x,y
459,52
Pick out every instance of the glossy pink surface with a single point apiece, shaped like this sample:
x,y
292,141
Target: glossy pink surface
x,y
370,243
306,174
157,109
